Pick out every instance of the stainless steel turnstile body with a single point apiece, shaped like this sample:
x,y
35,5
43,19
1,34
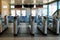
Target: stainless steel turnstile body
x,y
32,25
54,25
43,24
3,24
16,26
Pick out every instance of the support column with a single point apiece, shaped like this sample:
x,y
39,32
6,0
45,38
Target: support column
x,y
0,6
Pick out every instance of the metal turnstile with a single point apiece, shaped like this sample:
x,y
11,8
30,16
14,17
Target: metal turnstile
x,y
3,24
42,25
16,26
32,26
53,25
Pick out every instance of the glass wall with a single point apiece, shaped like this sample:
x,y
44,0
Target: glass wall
x,y
59,4
18,12
23,12
48,9
39,11
52,8
44,10
33,12
12,8
12,12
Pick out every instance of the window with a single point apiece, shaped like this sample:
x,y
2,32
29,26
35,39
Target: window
x,y
44,10
33,12
23,12
28,12
52,8
59,4
18,12
12,12
39,11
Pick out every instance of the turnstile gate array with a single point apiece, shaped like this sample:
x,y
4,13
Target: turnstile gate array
x,y
44,24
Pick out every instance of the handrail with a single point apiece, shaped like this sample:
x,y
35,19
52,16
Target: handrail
x,y
56,11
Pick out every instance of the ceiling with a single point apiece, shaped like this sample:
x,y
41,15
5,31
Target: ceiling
x,y
32,1
29,1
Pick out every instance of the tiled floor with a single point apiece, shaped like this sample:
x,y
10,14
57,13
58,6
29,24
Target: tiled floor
x,y
30,38
8,36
